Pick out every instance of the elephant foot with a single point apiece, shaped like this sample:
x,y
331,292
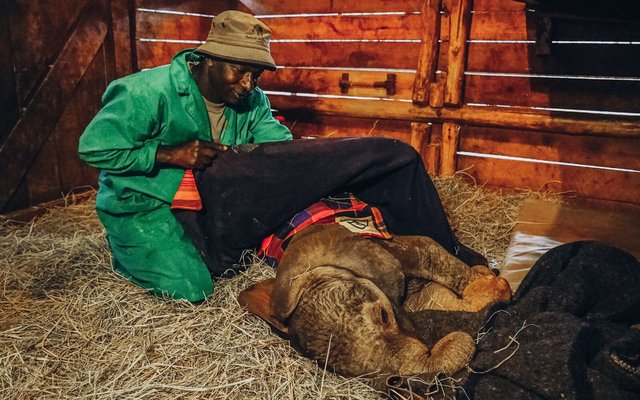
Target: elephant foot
x,y
484,289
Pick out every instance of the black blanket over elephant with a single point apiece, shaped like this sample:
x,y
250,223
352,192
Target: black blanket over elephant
x,y
566,334
251,190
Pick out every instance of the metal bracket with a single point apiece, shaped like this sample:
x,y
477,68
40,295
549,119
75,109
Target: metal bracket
x,y
389,85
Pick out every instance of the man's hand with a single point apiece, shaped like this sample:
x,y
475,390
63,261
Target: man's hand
x,y
192,155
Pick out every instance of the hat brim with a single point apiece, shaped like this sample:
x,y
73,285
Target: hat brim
x,y
238,54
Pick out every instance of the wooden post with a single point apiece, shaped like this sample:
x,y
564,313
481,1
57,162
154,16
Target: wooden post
x,y
428,51
123,16
450,140
432,162
9,110
436,94
420,136
459,27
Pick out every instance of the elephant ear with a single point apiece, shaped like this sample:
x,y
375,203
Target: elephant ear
x,y
286,295
257,299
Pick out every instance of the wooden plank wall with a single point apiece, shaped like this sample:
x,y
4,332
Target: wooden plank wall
x,y
513,105
314,43
477,86
59,57
586,73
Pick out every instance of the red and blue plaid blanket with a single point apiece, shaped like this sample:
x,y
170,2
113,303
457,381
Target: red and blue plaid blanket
x,y
345,210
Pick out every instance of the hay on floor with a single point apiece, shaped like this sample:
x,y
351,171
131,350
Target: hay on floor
x,y
71,328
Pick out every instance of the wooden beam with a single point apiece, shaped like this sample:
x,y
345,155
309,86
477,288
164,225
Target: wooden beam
x,y
457,55
436,91
123,17
465,115
42,113
450,141
9,109
428,58
324,6
420,137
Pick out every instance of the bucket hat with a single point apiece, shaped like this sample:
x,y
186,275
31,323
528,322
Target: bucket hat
x,y
239,37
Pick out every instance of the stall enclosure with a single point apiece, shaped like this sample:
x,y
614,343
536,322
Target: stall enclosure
x,y
515,94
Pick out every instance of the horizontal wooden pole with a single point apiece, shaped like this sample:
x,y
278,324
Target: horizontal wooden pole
x,y
464,115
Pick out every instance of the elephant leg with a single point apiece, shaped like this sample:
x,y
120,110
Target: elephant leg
x,y
481,292
422,257
433,296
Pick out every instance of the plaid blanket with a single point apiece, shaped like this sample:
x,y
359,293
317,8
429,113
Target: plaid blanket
x,y
346,210
187,196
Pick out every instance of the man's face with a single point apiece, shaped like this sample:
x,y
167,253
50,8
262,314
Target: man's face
x,y
230,82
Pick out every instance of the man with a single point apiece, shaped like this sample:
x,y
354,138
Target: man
x,y
158,123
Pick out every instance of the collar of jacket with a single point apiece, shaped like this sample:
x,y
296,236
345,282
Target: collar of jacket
x,y
188,91
181,74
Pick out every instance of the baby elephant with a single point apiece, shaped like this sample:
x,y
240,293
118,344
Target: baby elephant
x,y
338,297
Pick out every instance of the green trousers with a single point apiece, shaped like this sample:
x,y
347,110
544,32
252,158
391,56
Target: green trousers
x,y
151,249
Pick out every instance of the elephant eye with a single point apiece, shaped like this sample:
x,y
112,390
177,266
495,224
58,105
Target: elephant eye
x,y
384,316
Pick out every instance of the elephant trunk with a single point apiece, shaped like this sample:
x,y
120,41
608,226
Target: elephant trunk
x,y
449,355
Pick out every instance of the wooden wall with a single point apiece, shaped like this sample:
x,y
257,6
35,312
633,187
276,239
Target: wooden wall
x,y
480,87
514,96
55,60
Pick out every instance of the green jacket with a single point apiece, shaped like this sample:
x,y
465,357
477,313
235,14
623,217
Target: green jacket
x,y
160,106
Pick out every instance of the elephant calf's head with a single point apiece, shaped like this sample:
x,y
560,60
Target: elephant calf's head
x,y
336,297
350,324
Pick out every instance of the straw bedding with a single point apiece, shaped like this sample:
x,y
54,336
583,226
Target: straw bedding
x,y
72,328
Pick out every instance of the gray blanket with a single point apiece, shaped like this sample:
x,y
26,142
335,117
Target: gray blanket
x,y
566,334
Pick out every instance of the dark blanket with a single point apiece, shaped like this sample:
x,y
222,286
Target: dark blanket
x,y
558,339
251,190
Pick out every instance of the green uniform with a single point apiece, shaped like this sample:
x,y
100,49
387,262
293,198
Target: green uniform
x,y
160,106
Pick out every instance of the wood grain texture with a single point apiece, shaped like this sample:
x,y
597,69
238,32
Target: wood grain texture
x,y
567,59
573,181
9,109
342,55
553,146
37,36
322,81
428,57
366,27
481,116
457,52
321,126
122,18
37,122
450,141
578,94
269,7
210,7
